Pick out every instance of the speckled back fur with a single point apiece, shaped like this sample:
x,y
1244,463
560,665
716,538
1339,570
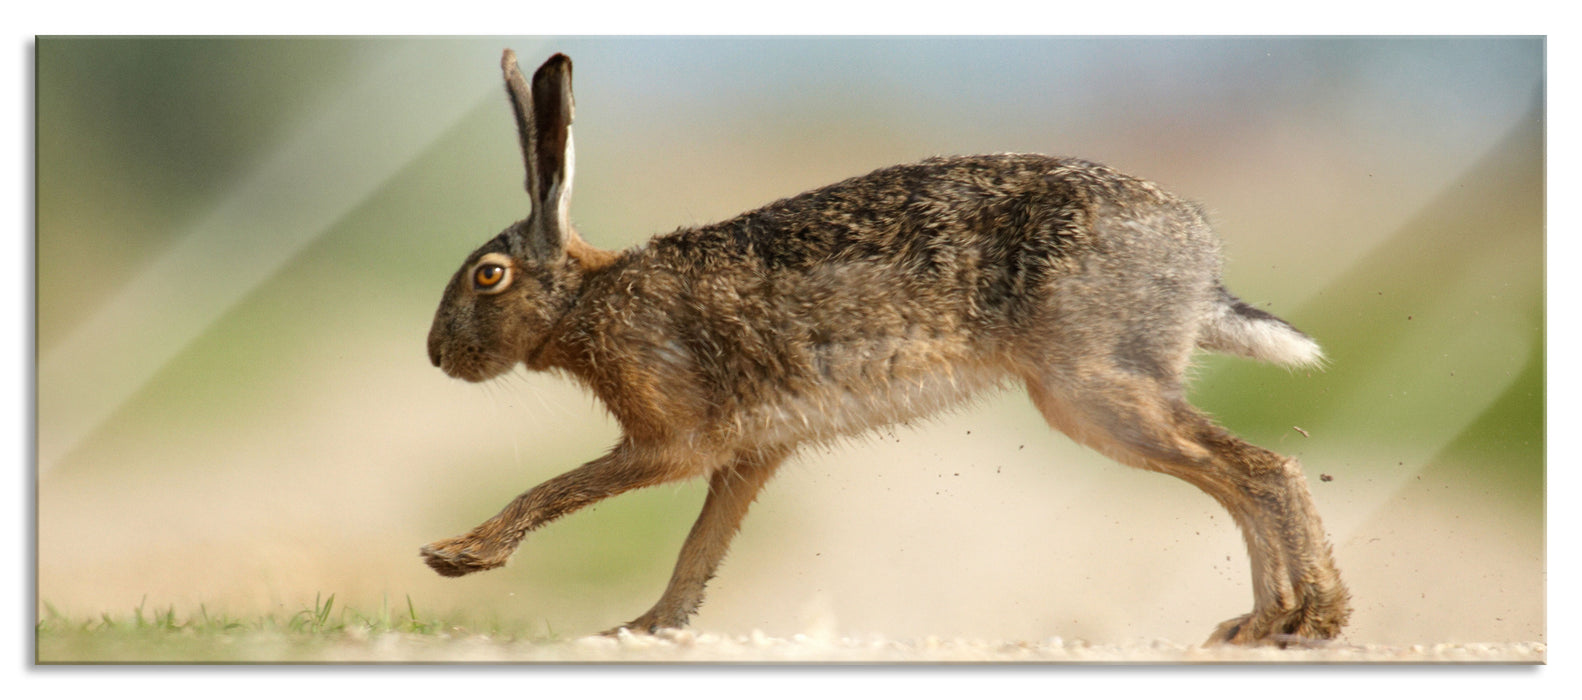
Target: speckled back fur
x,y
883,298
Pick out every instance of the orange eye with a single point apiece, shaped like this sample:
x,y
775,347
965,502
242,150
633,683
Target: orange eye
x,y
489,277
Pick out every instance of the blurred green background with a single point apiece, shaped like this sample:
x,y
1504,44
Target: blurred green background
x,y
241,242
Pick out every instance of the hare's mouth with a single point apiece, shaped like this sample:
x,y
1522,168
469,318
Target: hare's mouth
x,y
471,365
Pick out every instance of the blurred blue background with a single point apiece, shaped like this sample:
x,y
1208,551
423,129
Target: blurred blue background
x,y
241,242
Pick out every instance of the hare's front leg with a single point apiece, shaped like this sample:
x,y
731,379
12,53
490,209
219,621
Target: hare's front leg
x,y
490,544
731,490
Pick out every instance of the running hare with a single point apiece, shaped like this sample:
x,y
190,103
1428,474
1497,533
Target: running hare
x,y
881,299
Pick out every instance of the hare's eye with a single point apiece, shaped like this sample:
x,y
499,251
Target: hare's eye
x,y
491,277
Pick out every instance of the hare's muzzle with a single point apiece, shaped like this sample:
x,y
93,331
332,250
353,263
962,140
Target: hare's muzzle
x,y
435,355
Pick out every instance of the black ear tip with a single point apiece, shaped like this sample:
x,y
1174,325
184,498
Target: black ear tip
x,y
557,64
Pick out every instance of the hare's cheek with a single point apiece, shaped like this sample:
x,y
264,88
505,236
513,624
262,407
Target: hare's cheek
x,y
531,329
529,309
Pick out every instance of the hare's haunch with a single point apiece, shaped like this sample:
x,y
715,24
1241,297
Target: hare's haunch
x,y
884,298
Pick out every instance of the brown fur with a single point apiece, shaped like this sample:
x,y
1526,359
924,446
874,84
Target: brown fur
x,y
884,298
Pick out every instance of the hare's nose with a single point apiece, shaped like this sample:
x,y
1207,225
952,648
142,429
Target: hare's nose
x,y
434,352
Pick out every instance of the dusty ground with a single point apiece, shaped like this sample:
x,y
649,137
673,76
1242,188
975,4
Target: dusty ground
x,y
690,647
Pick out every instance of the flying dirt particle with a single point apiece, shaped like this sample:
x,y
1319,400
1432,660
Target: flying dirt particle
x,y
1325,477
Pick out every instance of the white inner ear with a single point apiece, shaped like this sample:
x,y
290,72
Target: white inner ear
x,y
563,193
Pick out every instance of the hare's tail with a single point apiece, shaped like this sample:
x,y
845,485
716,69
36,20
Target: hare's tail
x,y
1234,327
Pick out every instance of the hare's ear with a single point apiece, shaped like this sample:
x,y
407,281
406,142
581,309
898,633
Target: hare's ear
x,y
543,125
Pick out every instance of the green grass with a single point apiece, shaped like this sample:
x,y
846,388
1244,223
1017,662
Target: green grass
x,y
320,632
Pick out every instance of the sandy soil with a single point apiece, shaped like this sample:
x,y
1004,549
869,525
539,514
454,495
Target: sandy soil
x,y
689,647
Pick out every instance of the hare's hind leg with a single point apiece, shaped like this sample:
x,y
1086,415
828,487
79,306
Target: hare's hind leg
x,y
491,543
731,491
1145,422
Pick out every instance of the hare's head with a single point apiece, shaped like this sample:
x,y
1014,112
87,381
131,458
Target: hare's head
x,y
499,307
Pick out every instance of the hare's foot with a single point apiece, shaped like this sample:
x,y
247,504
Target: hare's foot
x,y
1298,626
1311,611
459,556
648,623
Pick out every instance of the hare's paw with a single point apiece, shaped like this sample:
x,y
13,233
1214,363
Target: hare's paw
x,y
459,556
1237,630
648,623
1297,627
